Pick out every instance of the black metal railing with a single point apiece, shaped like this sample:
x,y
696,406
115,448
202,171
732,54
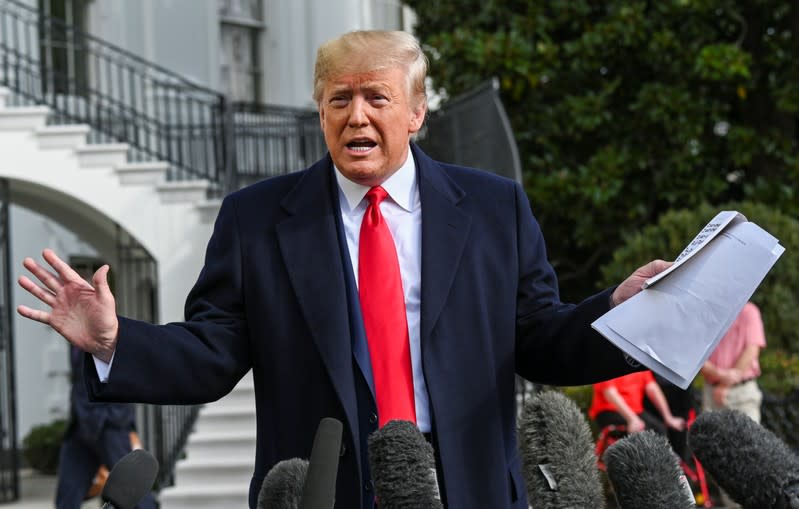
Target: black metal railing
x,y
164,429
473,129
9,453
121,96
272,140
160,114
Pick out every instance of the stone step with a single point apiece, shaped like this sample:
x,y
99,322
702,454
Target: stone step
x,y
103,155
202,446
219,454
62,136
24,118
209,209
218,418
205,497
213,472
183,191
142,173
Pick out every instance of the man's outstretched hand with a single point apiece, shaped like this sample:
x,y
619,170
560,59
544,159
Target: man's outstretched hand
x,y
85,314
634,283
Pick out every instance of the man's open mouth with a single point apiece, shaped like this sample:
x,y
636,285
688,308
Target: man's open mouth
x,y
361,145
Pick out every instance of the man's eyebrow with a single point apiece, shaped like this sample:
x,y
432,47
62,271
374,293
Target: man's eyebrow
x,y
376,86
370,86
338,89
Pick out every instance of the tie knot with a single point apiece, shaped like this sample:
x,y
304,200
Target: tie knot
x,y
376,195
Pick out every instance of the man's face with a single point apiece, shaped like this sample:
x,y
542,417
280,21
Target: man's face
x,y
367,120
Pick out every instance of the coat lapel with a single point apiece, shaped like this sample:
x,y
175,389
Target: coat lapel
x,y
309,243
445,228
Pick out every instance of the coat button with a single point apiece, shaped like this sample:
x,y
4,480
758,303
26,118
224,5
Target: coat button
x,y
373,419
367,485
343,449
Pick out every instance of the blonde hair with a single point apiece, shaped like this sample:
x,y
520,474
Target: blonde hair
x,y
372,50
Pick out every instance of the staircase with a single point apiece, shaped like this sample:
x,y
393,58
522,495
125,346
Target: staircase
x,y
53,167
220,454
134,195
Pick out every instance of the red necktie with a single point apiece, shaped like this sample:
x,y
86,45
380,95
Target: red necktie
x,y
383,309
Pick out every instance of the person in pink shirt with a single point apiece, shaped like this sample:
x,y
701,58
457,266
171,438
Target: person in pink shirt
x,y
732,369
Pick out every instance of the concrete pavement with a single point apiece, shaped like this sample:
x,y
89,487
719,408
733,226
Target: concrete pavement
x,y
37,491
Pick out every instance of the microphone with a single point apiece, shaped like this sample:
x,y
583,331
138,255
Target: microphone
x,y
130,479
319,490
403,467
283,485
749,462
557,451
645,472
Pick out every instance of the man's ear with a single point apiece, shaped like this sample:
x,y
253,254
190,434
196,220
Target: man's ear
x,y
417,117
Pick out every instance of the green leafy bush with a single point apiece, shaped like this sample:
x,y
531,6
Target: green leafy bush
x,y
780,371
581,394
624,110
777,296
41,445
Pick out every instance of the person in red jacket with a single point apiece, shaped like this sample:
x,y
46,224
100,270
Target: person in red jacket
x,y
620,401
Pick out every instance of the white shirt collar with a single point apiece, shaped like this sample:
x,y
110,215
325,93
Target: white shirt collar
x,y
401,186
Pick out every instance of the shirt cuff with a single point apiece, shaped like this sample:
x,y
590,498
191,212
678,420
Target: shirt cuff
x,y
103,368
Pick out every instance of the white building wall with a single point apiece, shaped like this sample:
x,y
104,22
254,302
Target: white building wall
x,y
183,36
179,35
295,28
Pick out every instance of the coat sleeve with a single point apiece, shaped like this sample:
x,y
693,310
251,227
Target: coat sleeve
x,y
195,361
555,343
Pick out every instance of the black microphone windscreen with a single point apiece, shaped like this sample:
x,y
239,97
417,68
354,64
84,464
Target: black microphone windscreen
x,y
319,491
557,451
749,462
645,472
283,485
403,467
130,479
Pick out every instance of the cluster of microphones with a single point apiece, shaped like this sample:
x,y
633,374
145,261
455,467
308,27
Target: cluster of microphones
x,y
751,464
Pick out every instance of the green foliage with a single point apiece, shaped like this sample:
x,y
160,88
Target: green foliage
x,y
625,109
581,394
723,62
777,296
780,371
41,446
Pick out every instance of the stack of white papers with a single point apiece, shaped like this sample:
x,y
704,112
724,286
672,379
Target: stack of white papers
x,y
674,324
